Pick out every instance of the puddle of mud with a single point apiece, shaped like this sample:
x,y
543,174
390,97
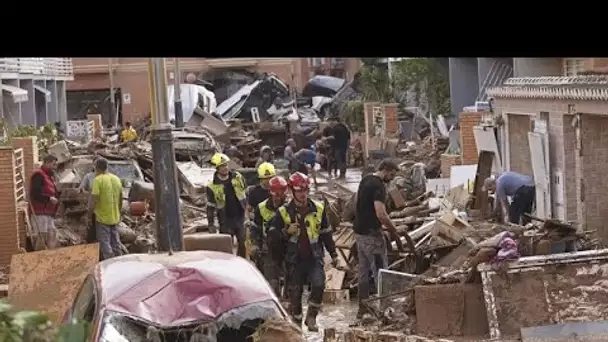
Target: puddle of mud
x,y
331,316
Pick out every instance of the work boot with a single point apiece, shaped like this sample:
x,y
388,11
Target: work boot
x,y
311,318
362,311
297,319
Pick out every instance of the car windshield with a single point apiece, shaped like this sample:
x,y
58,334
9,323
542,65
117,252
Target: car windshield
x,y
233,326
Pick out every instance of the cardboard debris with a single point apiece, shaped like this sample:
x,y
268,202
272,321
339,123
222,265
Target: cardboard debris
x,y
48,280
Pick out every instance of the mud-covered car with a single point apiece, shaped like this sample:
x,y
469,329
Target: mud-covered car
x,y
187,296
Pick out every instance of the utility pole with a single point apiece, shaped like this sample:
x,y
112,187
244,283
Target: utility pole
x,y
113,111
179,112
169,231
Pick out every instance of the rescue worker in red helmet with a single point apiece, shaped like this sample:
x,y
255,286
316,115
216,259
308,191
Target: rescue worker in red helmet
x,y
268,252
303,223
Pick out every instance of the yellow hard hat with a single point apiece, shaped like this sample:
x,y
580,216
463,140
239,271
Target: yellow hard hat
x,y
219,159
266,170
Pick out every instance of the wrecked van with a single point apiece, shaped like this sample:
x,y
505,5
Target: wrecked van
x,y
186,296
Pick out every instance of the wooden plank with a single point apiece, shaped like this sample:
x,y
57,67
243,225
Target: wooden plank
x,y
47,281
334,279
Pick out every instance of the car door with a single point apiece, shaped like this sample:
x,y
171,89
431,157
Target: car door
x,y
84,307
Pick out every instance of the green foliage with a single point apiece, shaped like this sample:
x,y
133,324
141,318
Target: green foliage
x,y
374,83
31,326
424,76
417,75
47,134
353,112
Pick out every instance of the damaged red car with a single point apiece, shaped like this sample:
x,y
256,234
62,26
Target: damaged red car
x,y
187,296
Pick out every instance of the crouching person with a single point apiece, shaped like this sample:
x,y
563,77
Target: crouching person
x,y
266,249
105,203
303,224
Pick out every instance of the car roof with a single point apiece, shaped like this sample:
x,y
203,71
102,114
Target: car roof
x,y
176,289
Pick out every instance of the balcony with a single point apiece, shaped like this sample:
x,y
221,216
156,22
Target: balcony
x,y
37,68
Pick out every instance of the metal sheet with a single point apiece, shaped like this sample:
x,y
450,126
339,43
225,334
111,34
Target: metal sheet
x,y
587,331
48,280
541,174
19,95
485,140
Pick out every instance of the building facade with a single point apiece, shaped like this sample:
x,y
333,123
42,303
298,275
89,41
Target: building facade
x,y
556,129
34,90
130,78
470,78
331,66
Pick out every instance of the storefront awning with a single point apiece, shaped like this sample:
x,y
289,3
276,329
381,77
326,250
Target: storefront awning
x,y
19,95
46,92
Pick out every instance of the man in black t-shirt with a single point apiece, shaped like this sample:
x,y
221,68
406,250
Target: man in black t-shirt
x,y
369,217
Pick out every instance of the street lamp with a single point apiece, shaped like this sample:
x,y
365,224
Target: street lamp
x,y
169,231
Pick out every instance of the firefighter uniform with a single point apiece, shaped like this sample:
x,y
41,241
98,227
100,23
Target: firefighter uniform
x,y
304,254
270,254
228,203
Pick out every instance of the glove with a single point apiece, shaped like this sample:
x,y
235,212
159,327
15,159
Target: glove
x,y
334,261
212,229
253,252
293,229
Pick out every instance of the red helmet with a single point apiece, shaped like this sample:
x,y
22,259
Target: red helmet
x,y
299,181
278,186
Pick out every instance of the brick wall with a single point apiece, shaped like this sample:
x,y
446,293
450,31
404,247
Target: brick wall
x,y
519,146
30,156
390,115
9,240
594,133
467,137
565,156
447,161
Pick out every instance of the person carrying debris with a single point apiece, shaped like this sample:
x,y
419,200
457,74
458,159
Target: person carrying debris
x,y
226,196
266,155
370,216
105,203
269,254
43,200
128,134
522,190
304,161
303,224
290,150
341,143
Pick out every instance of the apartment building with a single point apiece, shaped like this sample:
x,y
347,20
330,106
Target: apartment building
x,y
34,90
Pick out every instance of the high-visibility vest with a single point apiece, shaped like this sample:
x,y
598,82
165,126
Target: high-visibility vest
x,y
267,215
238,184
312,220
